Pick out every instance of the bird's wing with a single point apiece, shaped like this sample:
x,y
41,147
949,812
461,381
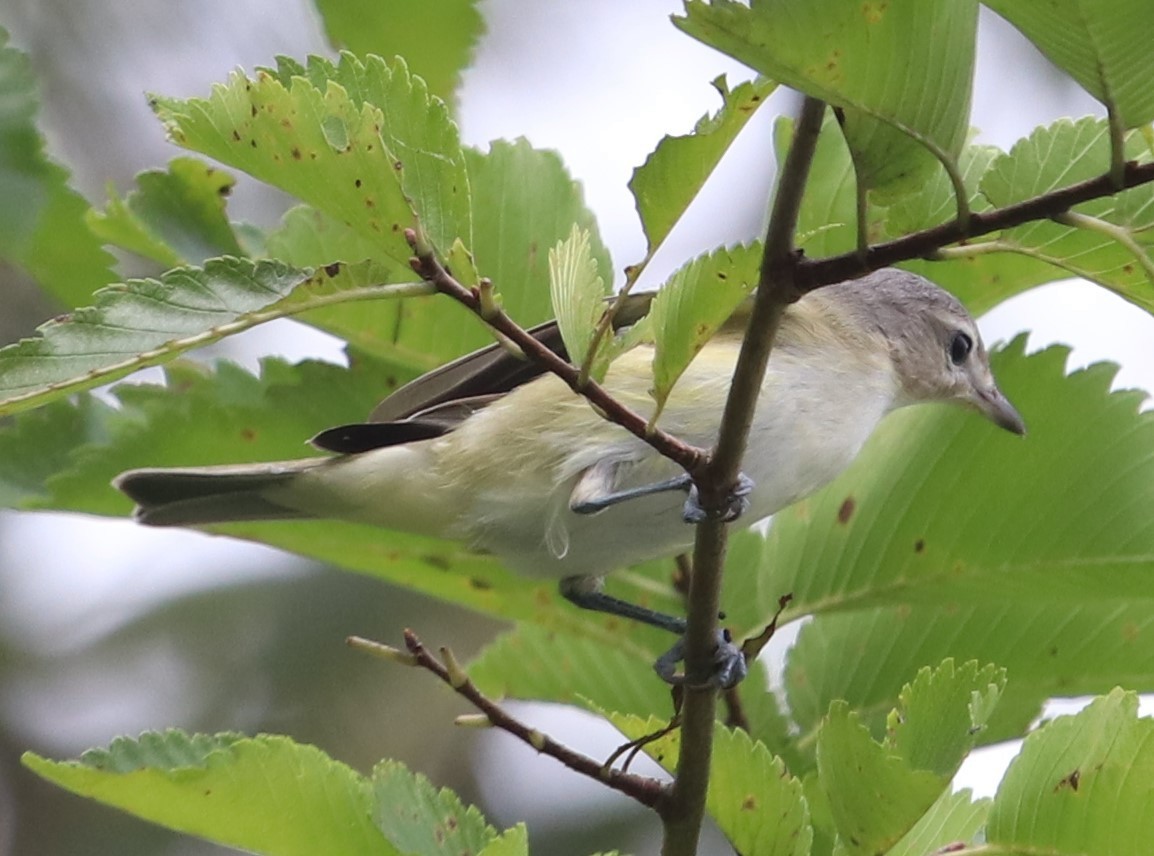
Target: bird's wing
x,y
440,400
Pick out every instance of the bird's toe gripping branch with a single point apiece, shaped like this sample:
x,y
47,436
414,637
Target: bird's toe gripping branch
x,y
736,503
729,666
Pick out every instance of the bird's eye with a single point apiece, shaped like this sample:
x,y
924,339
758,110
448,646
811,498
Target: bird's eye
x,y
960,347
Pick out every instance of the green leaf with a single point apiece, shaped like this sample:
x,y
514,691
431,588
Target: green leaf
x,y
675,172
229,789
933,203
42,225
1047,649
529,203
942,711
827,223
751,797
146,322
941,507
876,797
436,37
897,122
514,841
419,819
951,819
1082,784
1060,155
1102,44
361,141
175,217
827,219
532,662
692,306
578,292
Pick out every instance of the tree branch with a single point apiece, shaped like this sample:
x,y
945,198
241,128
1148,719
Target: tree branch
x,y
647,791
429,268
812,274
685,809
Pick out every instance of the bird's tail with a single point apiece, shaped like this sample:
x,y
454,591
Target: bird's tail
x,y
199,495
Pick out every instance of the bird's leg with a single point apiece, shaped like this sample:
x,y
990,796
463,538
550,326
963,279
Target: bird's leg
x,y
596,489
587,593
729,663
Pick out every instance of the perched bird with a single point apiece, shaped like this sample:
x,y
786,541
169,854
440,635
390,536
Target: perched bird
x,y
492,452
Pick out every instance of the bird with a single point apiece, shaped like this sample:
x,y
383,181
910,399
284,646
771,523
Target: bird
x,y
494,452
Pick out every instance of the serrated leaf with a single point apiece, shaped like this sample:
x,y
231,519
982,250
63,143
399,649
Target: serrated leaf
x,y
692,306
1047,650
42,225
1081,784
876,797
174,217
436,37
671,177
148,321
943,507
901,112
941,712
751,797
1057,156
418,819
417,333
514,841
1102,44
225,788
361,140
578,292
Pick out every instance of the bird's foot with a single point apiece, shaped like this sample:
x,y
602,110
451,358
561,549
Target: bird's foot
x,y
736,503
729,667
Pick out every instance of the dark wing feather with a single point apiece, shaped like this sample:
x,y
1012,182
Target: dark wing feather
x,y
440,400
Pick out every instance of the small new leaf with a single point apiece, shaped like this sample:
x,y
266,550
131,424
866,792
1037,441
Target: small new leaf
x,y
578,292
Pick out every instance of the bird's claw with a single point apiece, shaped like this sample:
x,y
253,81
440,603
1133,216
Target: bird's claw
x,y
736,503
729,666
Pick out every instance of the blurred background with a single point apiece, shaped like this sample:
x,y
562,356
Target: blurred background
x,y
108,629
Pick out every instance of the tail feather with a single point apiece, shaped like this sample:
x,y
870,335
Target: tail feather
x,y
194,496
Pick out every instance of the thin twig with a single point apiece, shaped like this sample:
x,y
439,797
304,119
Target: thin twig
x,y
429,268
684,813
646,790
812,274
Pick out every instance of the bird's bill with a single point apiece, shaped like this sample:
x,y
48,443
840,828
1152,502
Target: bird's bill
x,y
995,407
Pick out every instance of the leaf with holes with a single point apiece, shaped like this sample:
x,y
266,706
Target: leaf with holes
x,y
671,177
